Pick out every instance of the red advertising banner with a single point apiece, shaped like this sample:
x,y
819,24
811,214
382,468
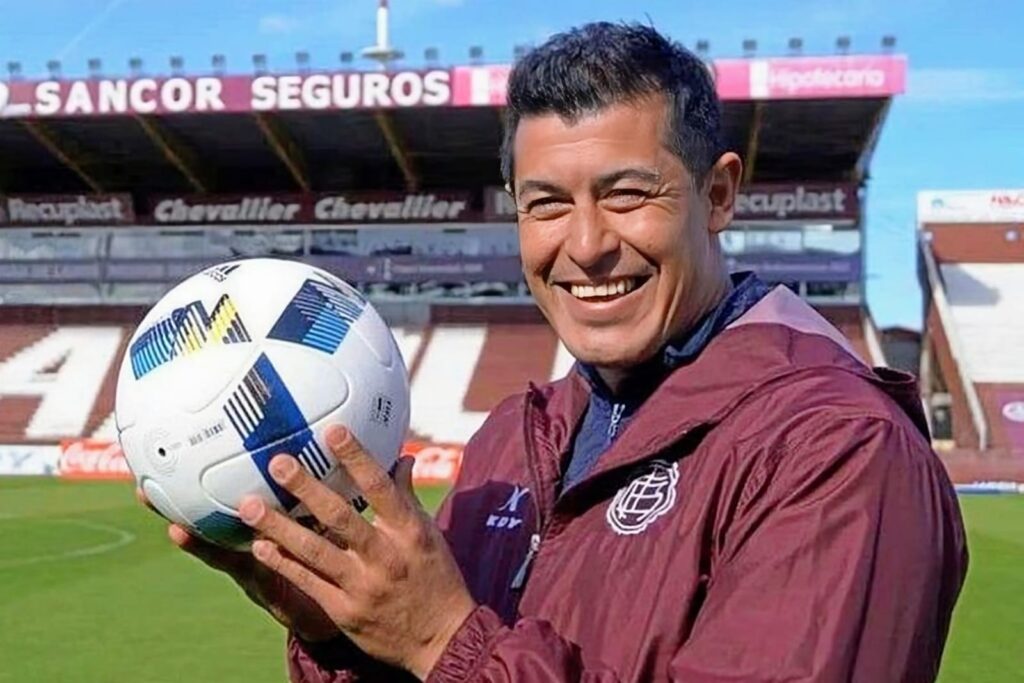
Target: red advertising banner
x,y
337,208
436,464
68,210
176,95
798,201
92,459
810,77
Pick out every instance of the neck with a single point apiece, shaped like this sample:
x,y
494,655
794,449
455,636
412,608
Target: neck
x,y
615,378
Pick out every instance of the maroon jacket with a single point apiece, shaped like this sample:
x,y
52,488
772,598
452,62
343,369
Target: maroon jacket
x,y
773,512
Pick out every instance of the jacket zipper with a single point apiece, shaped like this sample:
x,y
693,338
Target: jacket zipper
x,y
613,424
524,569
519,580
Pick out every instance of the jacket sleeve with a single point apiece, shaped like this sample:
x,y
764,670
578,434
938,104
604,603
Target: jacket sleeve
x,y
843,565
846,569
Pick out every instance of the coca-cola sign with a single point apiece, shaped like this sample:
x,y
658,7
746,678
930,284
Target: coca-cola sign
x,y
67,210
98,459
92,459
435,463
798,201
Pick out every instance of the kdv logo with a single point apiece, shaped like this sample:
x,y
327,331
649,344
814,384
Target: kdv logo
x,y
508,515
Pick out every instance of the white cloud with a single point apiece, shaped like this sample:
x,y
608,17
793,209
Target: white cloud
x,y
960,85
276,24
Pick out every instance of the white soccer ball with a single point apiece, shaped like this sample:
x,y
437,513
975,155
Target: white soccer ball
x,y
244,361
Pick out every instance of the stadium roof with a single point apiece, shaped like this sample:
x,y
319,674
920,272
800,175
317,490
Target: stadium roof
x,y
794,118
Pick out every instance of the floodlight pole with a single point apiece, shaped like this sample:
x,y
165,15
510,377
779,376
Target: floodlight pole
x,y
382,53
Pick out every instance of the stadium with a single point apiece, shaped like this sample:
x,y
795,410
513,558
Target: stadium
x,y
114,188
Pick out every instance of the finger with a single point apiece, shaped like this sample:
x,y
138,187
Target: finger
x,y
314,551
342,521
224,560
314,586
376,487
403,476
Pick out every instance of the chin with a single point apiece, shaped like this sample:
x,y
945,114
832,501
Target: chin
x,y
615,354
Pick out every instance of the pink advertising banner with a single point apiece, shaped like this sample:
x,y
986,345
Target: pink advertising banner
x,y
176,95
462,86
811,77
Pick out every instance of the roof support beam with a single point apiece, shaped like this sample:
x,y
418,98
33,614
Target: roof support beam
x,y
860,170
177,153
398,150
65,151
285,148
753,142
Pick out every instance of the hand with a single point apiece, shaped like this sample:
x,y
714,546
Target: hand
x,y
286,603
392,585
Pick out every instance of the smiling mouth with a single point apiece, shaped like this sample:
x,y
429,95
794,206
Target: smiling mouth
x,y
608,290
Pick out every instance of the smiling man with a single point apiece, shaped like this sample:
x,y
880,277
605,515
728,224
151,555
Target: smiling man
x,y
719,491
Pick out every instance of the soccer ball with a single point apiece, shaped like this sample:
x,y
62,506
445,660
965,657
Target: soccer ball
x,y
241,362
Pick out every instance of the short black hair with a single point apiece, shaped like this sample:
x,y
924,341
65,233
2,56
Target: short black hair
x,y
597,65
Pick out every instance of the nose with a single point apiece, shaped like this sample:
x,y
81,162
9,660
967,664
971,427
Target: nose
x,y
590,238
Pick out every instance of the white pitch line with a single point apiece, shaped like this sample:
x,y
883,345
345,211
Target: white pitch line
x,y
123,539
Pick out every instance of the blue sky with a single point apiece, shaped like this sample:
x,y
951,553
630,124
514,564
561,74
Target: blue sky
x,y
960,125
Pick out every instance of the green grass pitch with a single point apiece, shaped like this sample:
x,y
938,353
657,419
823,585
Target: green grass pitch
x,y
91,590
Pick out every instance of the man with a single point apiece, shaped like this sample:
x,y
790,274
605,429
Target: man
x,y
719,491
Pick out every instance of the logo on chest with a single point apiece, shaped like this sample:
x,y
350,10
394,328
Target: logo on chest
x,y
509,515
643,500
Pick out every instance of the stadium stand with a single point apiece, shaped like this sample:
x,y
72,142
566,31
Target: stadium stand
x,y
972,263
110,200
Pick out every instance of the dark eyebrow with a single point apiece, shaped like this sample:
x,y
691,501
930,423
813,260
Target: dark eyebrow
x,y
647,175
538,186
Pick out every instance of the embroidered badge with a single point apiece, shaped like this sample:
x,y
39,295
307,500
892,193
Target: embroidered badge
x,y
646,498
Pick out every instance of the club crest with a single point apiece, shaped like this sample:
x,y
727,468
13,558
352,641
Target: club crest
x,y
647,497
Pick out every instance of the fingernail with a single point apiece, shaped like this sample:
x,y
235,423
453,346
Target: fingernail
x,y
251,510
261,549
336,436
282,468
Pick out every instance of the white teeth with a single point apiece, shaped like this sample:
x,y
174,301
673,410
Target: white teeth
x,y
614,288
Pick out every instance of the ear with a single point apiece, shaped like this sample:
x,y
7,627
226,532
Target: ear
x,y
723,184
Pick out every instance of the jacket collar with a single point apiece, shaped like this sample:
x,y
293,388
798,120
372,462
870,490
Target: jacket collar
x,y
778,337
746,289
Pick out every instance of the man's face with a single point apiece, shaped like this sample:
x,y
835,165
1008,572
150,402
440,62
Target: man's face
x,y
619,247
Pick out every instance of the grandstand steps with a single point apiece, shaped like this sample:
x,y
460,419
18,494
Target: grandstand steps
x,y
63,400
459,372
986,302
